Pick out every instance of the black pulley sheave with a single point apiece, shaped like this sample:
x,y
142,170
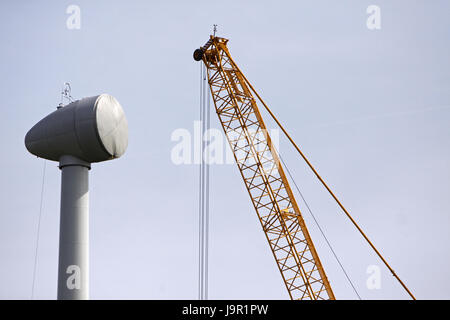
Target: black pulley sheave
x,y
198,54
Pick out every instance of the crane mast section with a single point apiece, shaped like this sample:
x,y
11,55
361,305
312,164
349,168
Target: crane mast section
x,y
264,177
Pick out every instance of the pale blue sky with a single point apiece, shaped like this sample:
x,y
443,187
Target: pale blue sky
x,y
371,109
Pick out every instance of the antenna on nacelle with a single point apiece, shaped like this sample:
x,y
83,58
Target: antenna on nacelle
x,y
65,94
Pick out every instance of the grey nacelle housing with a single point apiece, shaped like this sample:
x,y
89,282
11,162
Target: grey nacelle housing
x,y
93,129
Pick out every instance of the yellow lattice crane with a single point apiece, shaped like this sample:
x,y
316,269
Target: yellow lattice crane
x,y
264,176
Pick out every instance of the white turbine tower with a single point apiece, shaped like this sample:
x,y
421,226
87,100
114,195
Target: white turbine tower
x,y
88,130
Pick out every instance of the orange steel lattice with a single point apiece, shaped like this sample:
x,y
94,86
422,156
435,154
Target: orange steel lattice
x,y
263,174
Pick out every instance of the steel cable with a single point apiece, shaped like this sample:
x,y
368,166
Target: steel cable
x,y
38,231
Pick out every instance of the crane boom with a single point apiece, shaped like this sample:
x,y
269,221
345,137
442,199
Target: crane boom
x,y
263,175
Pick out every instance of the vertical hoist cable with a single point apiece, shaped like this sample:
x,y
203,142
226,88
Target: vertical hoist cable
x,y
200,193
208,105
203,245
38,230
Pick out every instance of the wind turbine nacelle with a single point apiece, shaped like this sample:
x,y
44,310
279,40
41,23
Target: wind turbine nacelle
x,y
92,129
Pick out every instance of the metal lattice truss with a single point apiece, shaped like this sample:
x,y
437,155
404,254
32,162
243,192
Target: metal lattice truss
x,y
266,182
